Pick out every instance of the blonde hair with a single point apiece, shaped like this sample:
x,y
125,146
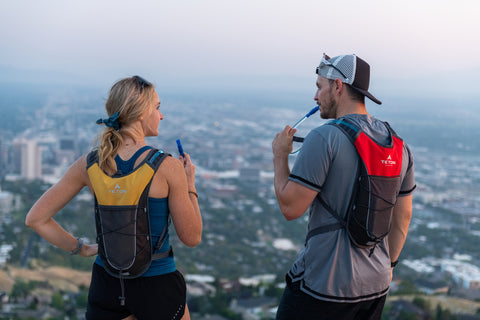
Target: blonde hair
x,y
131,98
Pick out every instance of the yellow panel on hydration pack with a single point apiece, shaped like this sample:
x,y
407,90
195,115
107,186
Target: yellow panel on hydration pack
x,y
119,191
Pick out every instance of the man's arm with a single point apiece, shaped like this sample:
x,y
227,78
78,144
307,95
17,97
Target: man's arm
x,y
402,214
293,198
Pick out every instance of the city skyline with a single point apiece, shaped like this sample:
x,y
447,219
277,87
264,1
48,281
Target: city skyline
x,y
242,219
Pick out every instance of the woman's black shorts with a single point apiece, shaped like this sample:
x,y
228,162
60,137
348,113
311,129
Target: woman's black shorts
x,y
159,297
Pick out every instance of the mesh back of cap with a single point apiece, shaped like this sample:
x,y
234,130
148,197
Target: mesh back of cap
x,y
347,64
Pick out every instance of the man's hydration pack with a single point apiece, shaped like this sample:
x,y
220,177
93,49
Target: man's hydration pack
x,y
122,217
369,215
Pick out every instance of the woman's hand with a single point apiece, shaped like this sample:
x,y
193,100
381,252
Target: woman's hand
x,y
89,250
183,200
189,170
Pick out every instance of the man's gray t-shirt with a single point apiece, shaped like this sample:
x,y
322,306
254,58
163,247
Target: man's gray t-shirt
x,y
329,266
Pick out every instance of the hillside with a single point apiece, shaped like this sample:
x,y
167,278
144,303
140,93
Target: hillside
x,y
455,305
63,279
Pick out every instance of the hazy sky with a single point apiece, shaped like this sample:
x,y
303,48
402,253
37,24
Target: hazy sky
x,y
431,43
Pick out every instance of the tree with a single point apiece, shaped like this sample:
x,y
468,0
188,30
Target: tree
x,y
57,301
406,287
21,288
82,299
422,303
442,314
403,315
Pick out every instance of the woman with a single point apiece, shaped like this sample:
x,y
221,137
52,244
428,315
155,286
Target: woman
x,y
160,293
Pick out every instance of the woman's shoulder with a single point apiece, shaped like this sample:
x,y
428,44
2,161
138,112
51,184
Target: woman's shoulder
x,y
77,173
81,161
170,166
167,175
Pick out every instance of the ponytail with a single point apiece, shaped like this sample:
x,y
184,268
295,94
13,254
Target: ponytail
x,y
110,142
128,100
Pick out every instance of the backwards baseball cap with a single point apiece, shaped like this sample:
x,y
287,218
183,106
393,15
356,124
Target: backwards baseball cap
x,y
350,69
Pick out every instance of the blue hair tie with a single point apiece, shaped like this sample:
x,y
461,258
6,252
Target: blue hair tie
x,y
111,122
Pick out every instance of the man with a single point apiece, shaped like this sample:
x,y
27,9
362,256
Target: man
x,y
332,278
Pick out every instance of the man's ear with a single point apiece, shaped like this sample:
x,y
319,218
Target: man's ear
x,y
338,86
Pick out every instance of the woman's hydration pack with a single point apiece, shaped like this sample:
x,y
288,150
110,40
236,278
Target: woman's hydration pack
x,y
369,215
122,217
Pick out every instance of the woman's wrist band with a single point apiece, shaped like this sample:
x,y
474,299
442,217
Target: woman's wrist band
x,y
78,248
194,193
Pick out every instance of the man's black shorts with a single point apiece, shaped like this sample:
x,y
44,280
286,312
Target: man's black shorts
x,y
158,297
297,305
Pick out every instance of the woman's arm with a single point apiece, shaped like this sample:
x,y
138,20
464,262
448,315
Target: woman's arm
x,y
40,216
182,199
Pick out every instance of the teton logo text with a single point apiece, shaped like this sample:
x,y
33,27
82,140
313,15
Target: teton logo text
x,y
389,161
117,190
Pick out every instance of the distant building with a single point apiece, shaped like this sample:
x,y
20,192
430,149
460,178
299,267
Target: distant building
x,y
257,280
3,156
200,289
29,156
225,191
16,159
250,174
5,253
254,308
67,143
474,285
431,287
6,201
67,150
463,273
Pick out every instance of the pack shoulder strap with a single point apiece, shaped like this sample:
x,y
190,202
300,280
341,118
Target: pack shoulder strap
x,y
159,244
349,129
352,132
155,159
92,157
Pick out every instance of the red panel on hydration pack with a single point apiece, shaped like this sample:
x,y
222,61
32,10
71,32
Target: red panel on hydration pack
x,y
380,161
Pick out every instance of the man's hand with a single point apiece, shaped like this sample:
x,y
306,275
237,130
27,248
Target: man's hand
x,y
293,198
282,144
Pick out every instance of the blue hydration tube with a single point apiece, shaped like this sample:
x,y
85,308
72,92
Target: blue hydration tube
x,y
180,148
315,109
300,139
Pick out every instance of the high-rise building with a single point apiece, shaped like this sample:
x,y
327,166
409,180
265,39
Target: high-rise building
x,y
30,158
3,157
66,152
